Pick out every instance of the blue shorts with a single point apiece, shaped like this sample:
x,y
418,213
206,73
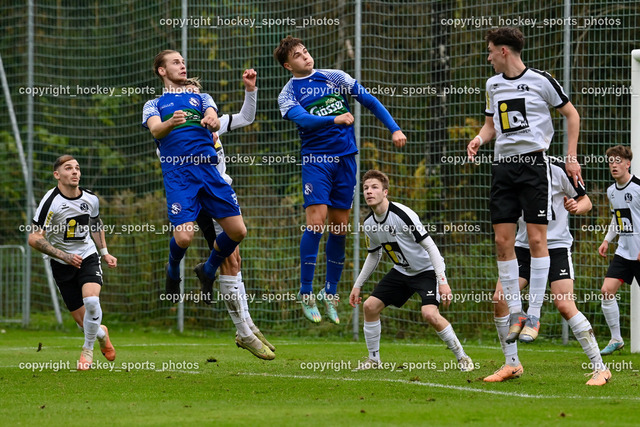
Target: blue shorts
x,y
194,187
329,180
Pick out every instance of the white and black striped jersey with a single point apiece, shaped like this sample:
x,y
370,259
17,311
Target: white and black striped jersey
x,y
399,234
520,110
625,207
558,234
66,221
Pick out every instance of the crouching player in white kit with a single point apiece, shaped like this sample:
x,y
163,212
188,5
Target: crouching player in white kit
x,y
398,230
64,223
566,198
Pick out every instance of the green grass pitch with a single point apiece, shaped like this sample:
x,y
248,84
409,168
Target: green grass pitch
x,y
207,380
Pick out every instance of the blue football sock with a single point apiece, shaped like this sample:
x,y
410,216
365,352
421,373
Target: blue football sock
x,y
309,245
176,253
226,246
335,261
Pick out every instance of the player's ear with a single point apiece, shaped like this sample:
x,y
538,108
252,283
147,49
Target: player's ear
x,y
56,175
162,71
287,66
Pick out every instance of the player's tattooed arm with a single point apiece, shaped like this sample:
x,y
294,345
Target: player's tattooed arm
x,y
97,232
38,242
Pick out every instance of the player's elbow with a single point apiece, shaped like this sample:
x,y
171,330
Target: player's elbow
x,y
33,238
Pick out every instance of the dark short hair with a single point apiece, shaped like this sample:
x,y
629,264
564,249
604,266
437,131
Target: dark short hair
x,y
376,174
506,36
62,160
287,44
619,151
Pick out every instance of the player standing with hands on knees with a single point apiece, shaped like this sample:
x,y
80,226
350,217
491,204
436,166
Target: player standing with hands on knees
x,y
517,115
419,267
66,221
315,100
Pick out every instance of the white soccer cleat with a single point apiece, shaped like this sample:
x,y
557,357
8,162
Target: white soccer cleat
x,y
466,364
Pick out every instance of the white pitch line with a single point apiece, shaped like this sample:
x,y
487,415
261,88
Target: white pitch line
x,y
445,386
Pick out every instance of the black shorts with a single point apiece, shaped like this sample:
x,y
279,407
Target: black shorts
x,y
396,288
70,279
521,184
624,269
560,267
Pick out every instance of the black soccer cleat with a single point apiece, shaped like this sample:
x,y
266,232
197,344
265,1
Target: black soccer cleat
x,y
206,283
171,287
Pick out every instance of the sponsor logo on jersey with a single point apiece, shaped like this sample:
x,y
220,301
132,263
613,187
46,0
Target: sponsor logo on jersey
x,y
624,221
176,208
513,115
330,105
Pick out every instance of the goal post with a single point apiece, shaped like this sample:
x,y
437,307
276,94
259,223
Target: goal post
x,y
635,169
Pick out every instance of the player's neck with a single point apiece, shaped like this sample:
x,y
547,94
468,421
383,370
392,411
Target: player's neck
x,y
68,191
623,180
173,87
302,74
514,69
382,208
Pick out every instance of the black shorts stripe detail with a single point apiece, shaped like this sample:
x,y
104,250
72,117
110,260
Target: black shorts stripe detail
x,y
45,208
405,218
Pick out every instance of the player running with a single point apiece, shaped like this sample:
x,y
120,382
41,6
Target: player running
x,y
517,114
315,100
624,200
566,198
419,267
66,221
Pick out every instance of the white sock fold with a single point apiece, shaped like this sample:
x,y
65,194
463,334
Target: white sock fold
x,y
508,272
510,351
612,316
372,331
230,293
451,339
244,302
537,284
92,320
584,334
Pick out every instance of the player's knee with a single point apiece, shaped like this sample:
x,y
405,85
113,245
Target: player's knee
x,y
239,233
431,315
183,239
566,308
370,308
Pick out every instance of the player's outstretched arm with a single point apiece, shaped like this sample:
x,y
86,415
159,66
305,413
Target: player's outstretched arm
x,y
375,106
369,266
486,134
38,242
97,233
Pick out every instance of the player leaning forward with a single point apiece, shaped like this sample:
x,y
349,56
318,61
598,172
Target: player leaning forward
x,y
419,267
64,223
517,114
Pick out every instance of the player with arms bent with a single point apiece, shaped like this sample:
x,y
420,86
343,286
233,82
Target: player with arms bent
x,y
65,222
517,114
315,101
397,229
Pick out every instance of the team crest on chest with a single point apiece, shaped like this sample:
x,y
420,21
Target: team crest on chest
x,y
628,197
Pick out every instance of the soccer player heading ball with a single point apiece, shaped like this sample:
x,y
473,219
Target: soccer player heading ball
x,y
315,100
419,267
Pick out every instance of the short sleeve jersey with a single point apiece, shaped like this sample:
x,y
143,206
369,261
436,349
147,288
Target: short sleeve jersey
x,y
558,234
322,94
399,234
66,221
520,110
188,141
625,207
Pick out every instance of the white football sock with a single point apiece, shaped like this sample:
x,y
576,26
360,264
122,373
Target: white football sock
x,y
612,316
510,350
449,337
584,334
537,284
372,331
229,292
508,272
244,303
100,335
92,320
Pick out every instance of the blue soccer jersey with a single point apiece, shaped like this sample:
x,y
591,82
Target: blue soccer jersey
x,y
189,143
321,94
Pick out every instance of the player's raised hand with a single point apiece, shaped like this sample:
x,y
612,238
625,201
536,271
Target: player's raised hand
x,y
573,170
473,147
570,205
602,250
344,119
354,297
112,262
210,122
249,78
179,117
445,295
399,139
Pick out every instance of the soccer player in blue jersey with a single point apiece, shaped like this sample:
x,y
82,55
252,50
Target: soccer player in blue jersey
x,y
182,123
315,100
